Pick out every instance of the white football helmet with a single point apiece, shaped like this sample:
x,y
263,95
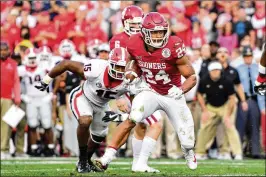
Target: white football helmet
x,y
30,58
67,49
92,47
44,54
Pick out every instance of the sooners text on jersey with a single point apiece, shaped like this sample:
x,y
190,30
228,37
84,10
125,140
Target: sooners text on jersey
x,y
159,67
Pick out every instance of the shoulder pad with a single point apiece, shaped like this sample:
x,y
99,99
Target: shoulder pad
x,y
93,68
21,70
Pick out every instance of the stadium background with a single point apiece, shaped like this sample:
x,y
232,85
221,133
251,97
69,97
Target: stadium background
x,y
200,24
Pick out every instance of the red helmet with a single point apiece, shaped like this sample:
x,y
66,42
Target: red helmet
x,y
132,15
154,21
118,58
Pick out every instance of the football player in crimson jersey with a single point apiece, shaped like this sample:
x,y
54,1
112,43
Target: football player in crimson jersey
x,y
88,102
260,84
162,60
131,19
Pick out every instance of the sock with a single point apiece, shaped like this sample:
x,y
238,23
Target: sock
x,y
136,147
83,153
34,146
147,148
51,146
108,156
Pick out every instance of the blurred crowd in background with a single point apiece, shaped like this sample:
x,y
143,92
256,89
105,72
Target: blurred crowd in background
x,y
231,32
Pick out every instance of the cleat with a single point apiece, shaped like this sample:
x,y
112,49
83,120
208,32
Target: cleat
x,y
99,165
94,167
144,168
83,166
190,158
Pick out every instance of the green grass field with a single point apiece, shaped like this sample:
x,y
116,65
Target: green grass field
x,y
121,167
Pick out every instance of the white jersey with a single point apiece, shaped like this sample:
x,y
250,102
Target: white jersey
x,y
96,87
30,78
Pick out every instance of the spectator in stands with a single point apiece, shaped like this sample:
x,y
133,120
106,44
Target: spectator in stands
x,y
249,121
208,54
181,25
219,105
10,84
242,27
76,31
25,18
227,38
197,35
45,32
231,74
258,21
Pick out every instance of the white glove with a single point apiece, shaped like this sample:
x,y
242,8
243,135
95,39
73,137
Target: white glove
x,y
175,92
134,81
26,99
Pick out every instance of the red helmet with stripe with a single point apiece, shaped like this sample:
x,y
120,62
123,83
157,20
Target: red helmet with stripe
x,y
118,58
154,22
131,19
44,54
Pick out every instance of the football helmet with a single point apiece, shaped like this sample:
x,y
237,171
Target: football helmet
x,y
67,49
155,22
44,54
118,58
30,58
131,18
92,47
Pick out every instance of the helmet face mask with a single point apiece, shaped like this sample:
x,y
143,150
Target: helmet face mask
x,y
131,19
117,63
132,26
155,30
30,58
66,49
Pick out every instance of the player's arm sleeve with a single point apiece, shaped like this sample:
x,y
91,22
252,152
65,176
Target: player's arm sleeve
x,y
92,69
66,65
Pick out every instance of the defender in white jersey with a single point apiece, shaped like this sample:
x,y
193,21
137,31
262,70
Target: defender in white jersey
x,y
38,104
104,81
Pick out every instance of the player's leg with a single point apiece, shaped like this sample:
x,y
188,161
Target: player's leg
x,y
182,121
137,139
46,120
141,108
83,112
32,120
98,132
149,142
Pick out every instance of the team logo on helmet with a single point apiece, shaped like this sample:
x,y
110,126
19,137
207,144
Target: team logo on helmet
x,y
166,53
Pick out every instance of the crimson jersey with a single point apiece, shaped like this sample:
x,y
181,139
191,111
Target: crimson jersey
x,y
159,67
119,40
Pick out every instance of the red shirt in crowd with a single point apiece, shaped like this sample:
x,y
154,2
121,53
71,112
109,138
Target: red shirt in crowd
x,y
50,27
185,34
10,80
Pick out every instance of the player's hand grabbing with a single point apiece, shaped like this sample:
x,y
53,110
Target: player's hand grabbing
x,y
260,88
111,116
175,92
41,86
